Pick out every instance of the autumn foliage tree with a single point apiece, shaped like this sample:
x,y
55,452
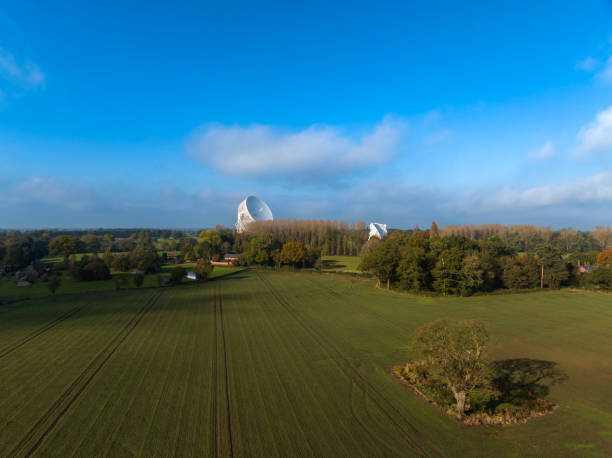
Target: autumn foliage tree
x,y
604,258
454,354
293,254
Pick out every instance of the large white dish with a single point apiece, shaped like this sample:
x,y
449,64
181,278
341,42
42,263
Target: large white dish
x,y
252,209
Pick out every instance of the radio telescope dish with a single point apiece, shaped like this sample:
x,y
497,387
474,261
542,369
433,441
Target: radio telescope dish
x,y
252,209
378,230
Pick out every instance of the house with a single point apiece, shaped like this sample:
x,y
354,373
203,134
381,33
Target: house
x,y
174,258
231,257
585,268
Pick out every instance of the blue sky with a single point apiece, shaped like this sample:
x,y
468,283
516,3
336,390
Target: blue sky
x,y
167,115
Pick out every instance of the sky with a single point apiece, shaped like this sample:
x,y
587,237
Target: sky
x,y
168,114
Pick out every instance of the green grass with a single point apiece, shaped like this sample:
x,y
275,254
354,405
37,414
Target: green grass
x,y
341,263
282,364
10,292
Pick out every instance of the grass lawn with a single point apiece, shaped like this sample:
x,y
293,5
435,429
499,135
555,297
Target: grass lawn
x,y
282,364
341,263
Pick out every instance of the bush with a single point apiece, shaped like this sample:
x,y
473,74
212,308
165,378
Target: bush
x,y
94,270
138,279
203,269
600,278
177,274
120,282
53,283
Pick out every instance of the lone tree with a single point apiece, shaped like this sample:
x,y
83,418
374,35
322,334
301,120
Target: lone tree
x,y
203,269
53,283
454,354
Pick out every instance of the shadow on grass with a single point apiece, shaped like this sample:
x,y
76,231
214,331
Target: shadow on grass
x,y
332,264
523,380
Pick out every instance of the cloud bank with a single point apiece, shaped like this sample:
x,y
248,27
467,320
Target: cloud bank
x,y
27,74
49,202
305,155
595,189
596,137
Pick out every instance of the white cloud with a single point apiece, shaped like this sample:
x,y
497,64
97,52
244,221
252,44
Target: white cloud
x,y
589,64
437,137
596,137
264,151
546,152
606,73
590,190
27,74
47,191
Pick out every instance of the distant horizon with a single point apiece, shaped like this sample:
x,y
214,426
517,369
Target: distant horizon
x,y
201,228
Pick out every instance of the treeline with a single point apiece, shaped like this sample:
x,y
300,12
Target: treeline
x,y
20,250
330,238
521,238
116,233
421,261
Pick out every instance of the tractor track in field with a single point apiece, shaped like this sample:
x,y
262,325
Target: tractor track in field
x,y
11,348
220,326
47,423
216,384
351,371
363,426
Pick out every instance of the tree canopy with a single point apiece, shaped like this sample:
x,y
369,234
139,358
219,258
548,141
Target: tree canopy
x,y
454,353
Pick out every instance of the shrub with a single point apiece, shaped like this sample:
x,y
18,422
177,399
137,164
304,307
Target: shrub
x,y
177,274
120,282
203,269
93,270
53,283
138,279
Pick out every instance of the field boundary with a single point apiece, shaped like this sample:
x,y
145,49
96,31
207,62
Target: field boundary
x,y
46,424
349,369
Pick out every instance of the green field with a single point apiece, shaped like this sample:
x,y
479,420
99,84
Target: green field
x,y
10,292
282,364
341,263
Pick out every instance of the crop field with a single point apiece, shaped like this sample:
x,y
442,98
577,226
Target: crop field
x,y
341,263
282,364
10,292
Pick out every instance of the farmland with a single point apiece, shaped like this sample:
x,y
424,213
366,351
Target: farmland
x,y
10,292
263,364
341,263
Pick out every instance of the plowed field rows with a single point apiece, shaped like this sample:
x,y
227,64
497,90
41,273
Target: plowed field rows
x,y
281,364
